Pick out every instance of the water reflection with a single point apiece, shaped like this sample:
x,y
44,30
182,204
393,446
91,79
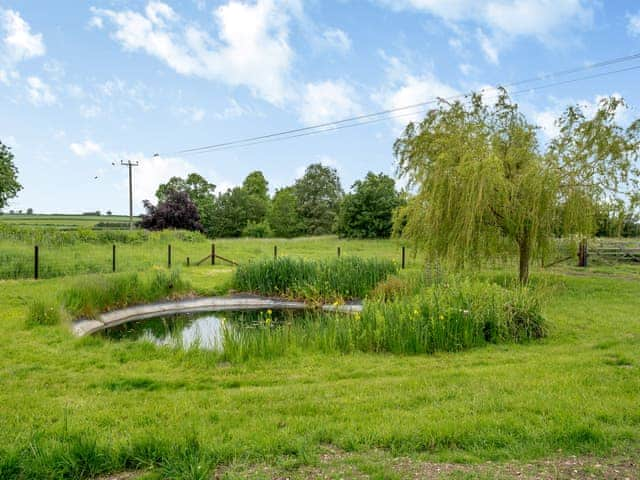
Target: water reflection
x,y
201,330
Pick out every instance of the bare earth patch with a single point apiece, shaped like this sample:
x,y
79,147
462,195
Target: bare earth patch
x,y
336,464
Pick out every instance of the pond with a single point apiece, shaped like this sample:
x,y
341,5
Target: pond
x,y
201,330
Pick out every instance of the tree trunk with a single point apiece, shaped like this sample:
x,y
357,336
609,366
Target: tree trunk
x,y
525,255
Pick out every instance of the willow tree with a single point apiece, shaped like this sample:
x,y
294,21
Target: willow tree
x,y
485,185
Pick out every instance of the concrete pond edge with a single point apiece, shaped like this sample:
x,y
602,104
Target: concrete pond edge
x,y
84,327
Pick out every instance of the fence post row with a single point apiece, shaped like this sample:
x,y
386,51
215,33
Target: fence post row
x,y
36,262
403,257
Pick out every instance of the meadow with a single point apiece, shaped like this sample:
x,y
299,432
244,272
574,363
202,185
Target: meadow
x,y
81,408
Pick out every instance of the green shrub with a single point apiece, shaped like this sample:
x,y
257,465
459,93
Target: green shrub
x,y
43,312
348,277
257,230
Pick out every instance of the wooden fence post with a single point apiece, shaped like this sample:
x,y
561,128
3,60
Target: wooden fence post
x,y
275,251
583,253
113,258
188,262
403,257
169,255
36,262
339,252
213,254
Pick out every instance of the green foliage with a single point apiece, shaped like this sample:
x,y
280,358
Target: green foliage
x,y
9,185
237,207
347,277
484,186
283,216
229,215
319,194
444,317
43,312
200,191
100,293
368,211
257,230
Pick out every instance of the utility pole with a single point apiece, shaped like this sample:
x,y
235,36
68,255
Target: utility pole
x,y
130,164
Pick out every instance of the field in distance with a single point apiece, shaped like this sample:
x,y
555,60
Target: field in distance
x,y
63,220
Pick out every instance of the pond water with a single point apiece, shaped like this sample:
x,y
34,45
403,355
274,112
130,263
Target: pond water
x,y
199,330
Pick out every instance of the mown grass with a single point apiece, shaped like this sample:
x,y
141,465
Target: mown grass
x,y
166,412
349,277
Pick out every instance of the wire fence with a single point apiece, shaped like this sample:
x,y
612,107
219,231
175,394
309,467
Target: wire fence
x,y
51,261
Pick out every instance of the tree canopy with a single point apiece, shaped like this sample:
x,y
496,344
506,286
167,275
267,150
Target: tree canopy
x,y
177,210
368,211
9,185
319,194
284,218
484,184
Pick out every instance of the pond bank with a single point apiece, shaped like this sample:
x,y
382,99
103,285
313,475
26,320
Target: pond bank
x,y
83,327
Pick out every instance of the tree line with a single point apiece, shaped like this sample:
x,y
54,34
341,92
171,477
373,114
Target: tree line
x,y
315,204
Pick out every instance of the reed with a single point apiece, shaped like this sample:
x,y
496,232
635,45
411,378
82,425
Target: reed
x,y
348,277
443,317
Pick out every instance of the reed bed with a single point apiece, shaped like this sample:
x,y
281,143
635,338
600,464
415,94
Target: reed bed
x,y
444,317
347,278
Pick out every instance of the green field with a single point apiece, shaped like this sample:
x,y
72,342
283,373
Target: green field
x,y
81,408
61,220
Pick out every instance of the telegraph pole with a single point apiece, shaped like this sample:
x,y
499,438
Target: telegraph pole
x,y
130,164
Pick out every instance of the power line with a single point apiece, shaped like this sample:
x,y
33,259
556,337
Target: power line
x,y
329,129
385,115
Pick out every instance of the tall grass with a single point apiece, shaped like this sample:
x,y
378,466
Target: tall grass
x,y
348,277
444,317
95,294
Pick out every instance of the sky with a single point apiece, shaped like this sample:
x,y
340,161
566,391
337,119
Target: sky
x,y
86,84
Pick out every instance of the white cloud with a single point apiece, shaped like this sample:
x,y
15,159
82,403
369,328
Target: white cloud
x,y
19,43
234,110
192,114
406,88
86,148
633,27
488,47
337,39
503,20
466,69
39,93
151,172
327,101
251,47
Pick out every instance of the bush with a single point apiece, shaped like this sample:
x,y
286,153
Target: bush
x,y
348,277
257,230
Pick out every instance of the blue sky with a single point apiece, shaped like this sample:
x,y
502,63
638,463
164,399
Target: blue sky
x,y
85,84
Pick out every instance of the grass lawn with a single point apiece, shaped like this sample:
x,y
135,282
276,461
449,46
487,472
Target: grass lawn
x,y
78,403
